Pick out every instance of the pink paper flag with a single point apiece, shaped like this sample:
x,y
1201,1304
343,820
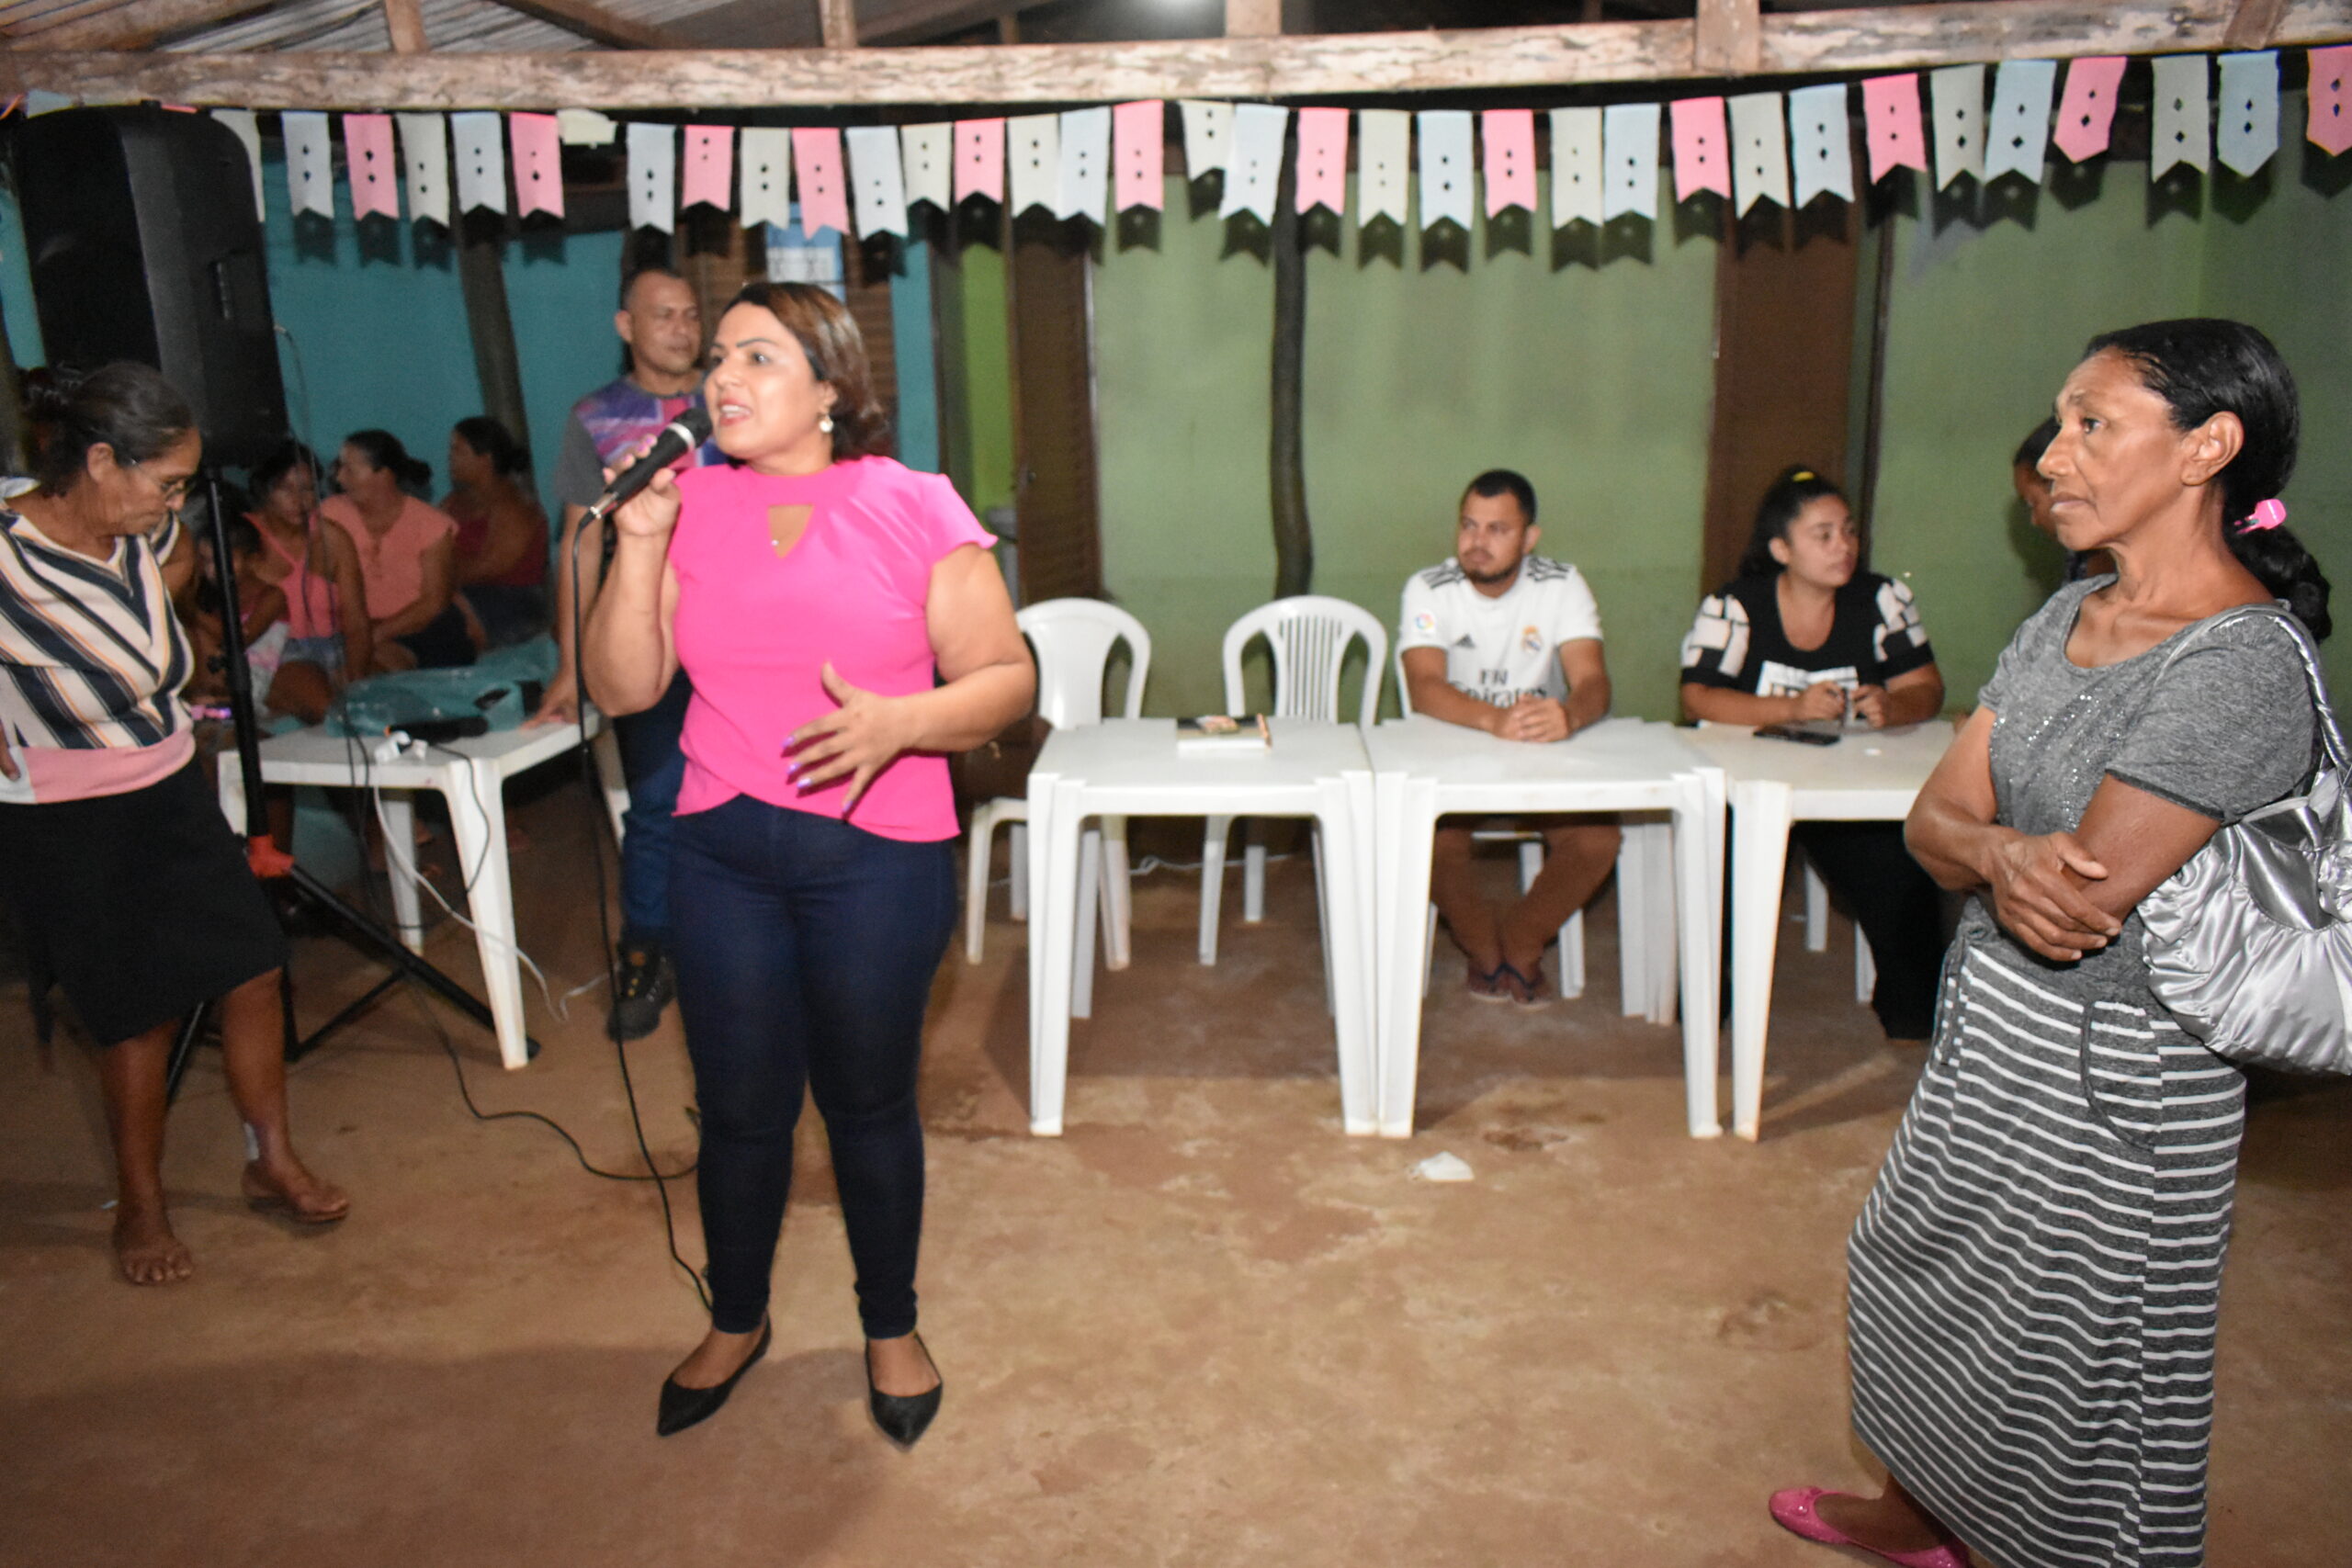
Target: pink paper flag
x,y
2087,109
979,159
1898,138
817,174
1702,159
2331,96
710,166
1506,143
1138,133
538,163
367,159
1323,160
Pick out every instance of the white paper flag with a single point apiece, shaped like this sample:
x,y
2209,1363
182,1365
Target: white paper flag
x,y
1575,167
2018,138
928,156
425,165
1958,95
2247,129
1760,150
309,162
1032,160
1208,136
876,183
1821,143
1629,154
2183,132
1084,189
584,128
479,140
654,177
1448,189
765,151
248,131
1384,150
1253,166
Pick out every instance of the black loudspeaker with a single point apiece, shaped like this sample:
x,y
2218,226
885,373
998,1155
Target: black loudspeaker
x,y
144,245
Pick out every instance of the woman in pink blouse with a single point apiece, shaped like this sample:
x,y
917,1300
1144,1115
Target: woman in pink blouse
x,y
844,627
406,554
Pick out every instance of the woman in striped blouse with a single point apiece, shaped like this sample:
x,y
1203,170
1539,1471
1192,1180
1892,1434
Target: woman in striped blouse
x,y
114,857
2032,1283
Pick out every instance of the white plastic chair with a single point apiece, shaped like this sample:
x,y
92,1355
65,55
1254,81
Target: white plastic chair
x,y
1309,635
1073,638
1816,929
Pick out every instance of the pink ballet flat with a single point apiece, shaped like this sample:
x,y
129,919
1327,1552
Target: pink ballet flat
x,y
1793,1511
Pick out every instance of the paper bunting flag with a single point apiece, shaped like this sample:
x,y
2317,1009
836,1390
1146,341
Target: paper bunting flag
x,y
1891,125
1701,148
584,128
2086,110
1958,92
2247,131
248,131
1139,155
425,165
877,179
1383,145
1821,143
1629,160
479,140
1446,167
709,179
1575,167
310,164
369,166
2016,136
2331,98
652,177
1759,143
767,177
2184,129
1032,161
927,160
817,176
979,159
1082,186
536,141
1253,171
1322,161
1507,147
1208,136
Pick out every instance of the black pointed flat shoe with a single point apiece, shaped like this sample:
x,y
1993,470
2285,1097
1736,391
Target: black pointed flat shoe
x,y
903,1418
683,1408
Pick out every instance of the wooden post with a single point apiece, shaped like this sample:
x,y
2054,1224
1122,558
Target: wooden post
x,y
1729,38
481,274
406,25
1285,454
1253,19
2253,23
837,22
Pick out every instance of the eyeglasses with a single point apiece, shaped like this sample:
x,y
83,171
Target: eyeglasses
x,y
173,491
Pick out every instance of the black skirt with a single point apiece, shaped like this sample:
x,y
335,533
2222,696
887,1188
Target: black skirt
x,y
140,903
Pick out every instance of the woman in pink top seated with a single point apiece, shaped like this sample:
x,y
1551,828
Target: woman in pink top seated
x,y
844,627
406,554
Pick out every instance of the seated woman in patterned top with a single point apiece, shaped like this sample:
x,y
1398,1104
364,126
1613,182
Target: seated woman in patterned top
x,y
1804,633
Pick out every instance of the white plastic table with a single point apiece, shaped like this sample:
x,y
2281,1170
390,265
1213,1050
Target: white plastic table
x,y
1129,767
1868,776
1425,769
470,775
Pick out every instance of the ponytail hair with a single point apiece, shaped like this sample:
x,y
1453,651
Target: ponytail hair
x,y
2204,366
383,450
1788,495
126,406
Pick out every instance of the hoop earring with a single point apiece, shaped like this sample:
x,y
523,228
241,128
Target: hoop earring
x,y
825,424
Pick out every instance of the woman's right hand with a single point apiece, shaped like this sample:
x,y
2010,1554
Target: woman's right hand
x,y
2037,900
1823,699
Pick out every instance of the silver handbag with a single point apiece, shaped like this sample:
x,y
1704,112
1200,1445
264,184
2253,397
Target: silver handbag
x,y
2249,944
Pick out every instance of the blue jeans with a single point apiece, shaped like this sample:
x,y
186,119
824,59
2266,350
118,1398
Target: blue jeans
x,y
805,950
653,768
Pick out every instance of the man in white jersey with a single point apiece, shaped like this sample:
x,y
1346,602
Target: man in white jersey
x,y
1502,639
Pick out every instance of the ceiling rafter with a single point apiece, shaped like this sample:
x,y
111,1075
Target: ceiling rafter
x,y
598,24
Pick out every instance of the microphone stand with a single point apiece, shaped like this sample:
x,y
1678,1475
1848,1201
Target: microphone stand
x,y
273,865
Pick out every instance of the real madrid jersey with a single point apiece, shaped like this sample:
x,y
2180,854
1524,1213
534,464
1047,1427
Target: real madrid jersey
x,y
1502,649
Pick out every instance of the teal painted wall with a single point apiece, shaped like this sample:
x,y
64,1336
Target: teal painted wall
x,y
17,285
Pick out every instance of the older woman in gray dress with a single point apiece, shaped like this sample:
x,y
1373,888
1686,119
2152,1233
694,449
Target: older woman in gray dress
x,y
2033,1280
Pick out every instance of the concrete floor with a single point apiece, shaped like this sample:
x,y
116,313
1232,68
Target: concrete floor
x,y
1201,1328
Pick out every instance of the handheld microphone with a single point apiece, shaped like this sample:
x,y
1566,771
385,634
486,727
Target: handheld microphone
x,y
680,436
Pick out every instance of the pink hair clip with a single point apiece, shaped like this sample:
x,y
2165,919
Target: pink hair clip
x,y
2268,514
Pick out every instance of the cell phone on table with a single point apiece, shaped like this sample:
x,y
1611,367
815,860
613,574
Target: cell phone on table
x,y
1804,731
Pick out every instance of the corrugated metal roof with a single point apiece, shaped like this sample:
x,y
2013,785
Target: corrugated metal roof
x,y
357,24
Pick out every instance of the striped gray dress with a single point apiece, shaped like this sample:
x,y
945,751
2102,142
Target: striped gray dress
x,y
2033,1281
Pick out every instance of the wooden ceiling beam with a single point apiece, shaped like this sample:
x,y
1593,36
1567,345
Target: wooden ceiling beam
x,y
1895,38
1728,38
140,24
405,24
2253,24
837,23
913,21
598,25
